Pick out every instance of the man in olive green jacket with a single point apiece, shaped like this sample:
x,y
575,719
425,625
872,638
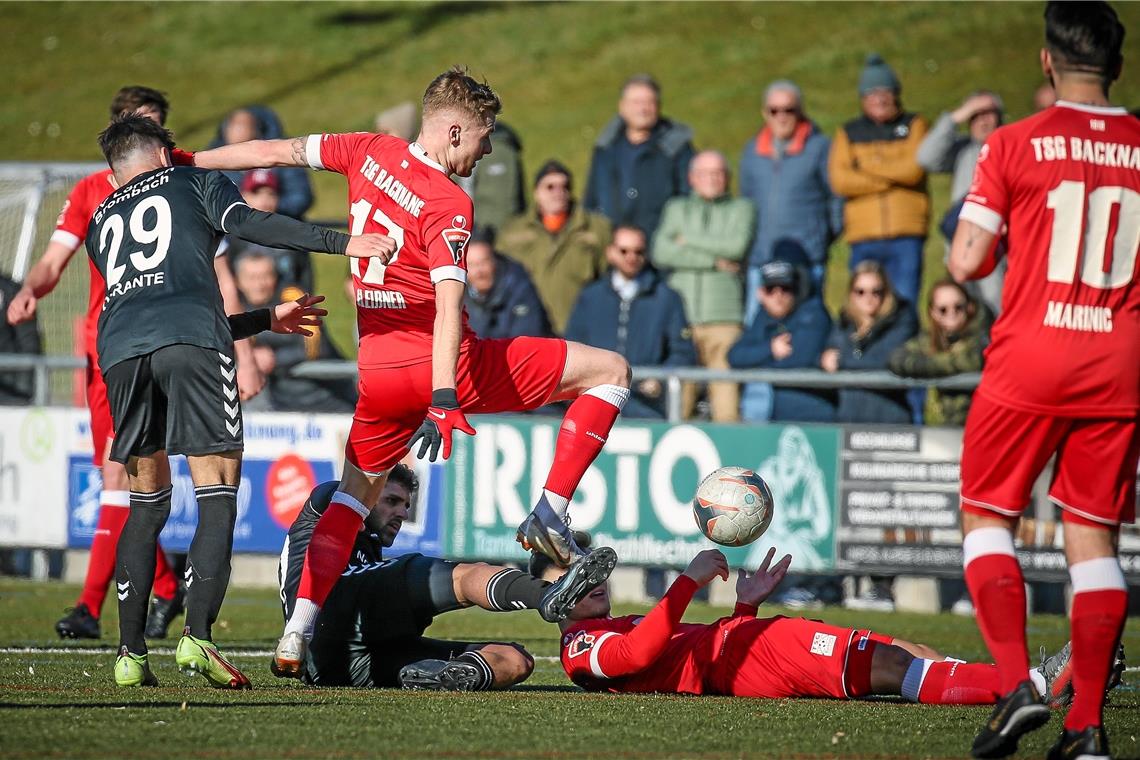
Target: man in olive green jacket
x,y
561,245
701,241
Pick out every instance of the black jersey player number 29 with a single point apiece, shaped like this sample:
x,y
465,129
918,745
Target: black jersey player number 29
x,y
150,224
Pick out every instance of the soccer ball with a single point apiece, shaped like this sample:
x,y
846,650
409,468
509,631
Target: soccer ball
x,y
733,506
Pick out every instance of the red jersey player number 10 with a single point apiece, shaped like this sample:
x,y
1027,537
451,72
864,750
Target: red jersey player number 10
x,y
359,213
1067,201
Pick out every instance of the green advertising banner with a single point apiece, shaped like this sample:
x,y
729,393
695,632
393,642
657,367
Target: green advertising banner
x,y
636,496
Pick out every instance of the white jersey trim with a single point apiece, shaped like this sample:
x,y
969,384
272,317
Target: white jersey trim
x,y
313,152
227,213
986,218
70,239
222,248
448,273
421,155
1105,110
595,666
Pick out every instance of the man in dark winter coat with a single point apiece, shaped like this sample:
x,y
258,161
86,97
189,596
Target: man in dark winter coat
x,y
790,331
501,300
640,161
295,193
633,312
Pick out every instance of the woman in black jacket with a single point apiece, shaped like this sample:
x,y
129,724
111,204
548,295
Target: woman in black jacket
x,y
872,324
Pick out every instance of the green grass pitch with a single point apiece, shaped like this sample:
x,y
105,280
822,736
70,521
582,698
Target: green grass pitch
x,y
57,699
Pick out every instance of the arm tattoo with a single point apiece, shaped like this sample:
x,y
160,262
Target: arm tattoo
x,y
300,157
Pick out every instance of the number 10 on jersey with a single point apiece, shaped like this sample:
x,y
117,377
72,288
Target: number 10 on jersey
x,y
359,213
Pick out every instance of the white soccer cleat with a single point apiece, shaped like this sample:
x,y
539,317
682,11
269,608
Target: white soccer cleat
x,y
289,656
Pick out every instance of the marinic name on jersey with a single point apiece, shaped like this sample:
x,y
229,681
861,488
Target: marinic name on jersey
x,y
118,197
1075,316
1062,148
392,187
380,299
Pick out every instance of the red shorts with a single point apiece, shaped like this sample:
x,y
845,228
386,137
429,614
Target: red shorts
x,y
492,376
101,426
783,657
1005,449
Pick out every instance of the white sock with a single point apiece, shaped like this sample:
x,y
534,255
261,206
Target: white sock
x,y
1038,680
558,503
304,619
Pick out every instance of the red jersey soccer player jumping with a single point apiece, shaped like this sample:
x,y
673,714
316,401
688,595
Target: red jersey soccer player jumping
x,y
82,621
421,367
774,658
1062,373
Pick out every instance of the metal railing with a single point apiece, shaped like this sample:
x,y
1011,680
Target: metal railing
x,y
672,377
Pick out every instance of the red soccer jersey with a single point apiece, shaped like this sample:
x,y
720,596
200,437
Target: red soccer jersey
x,y
71,230
395,189
1066,182
650,653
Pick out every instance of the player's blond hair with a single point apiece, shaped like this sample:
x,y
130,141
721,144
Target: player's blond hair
x,y
456,90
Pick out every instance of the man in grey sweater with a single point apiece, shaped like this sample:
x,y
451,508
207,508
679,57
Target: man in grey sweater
x,y
945,150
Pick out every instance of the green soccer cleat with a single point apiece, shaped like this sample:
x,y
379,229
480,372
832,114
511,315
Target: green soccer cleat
x,y
133,670
199,656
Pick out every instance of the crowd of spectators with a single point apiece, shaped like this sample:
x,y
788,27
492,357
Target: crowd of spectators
x,y
658,259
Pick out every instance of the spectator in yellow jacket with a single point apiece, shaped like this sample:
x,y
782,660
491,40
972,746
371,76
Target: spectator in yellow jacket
x,y
874,165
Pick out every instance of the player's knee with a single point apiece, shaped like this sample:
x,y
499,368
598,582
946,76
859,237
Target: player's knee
x,y
515,663
616,370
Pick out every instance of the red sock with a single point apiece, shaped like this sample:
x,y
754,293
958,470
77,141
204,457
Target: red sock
x,y
998,591
583,434
329,550
1097,622
101,566
165,581
960,683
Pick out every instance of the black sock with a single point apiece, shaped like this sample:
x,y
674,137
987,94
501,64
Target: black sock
x,y
208,562
511,589
134,564
486,675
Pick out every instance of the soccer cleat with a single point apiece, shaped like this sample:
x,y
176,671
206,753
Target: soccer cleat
x,y
584,576
78,623
199,656
1089,744
289,656
1057,671
1116,675
543,531
1014,715
133,670
161,615
440,675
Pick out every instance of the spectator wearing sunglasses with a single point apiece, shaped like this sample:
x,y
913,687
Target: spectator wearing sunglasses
x,y
633,312
783,170
872,324
790,331
952,345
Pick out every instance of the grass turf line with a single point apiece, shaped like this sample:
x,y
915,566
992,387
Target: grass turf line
x,y
65,705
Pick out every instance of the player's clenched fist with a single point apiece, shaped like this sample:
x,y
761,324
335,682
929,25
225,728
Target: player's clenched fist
x,y
371,246
707,565
443,416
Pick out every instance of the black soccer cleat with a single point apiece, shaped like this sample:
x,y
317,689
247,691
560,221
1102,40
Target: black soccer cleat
x,y
440,675
78,623
1090,744
161,615
585,575
1014,715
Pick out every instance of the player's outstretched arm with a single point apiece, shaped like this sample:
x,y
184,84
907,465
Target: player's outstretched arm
x,y
753,588
288,318
254,154
971,252
41,280
277,231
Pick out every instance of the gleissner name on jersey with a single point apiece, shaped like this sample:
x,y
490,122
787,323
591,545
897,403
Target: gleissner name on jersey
x,y
392,187
380,299
1075,316
1058,148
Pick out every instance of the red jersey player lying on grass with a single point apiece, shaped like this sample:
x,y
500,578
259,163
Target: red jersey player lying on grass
x,y
776,657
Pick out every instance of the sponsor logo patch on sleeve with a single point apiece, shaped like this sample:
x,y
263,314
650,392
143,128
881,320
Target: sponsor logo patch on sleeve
x,y
823,644
456,238
581,643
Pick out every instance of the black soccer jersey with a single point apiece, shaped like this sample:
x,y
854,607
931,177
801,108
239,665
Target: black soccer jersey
x,y
154,240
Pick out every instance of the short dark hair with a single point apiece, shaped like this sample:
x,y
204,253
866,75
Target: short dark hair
x,y
629,227
643,80
402,475
136,96
129,132
1084,36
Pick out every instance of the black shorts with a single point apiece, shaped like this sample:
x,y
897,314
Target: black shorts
x,y
181,398
372,623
